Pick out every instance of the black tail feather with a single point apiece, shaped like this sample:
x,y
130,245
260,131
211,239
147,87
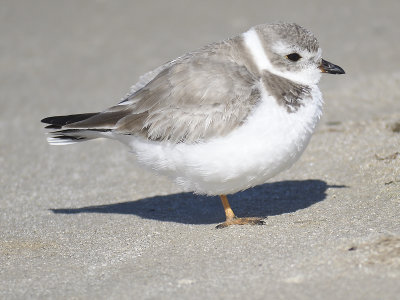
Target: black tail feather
x,y
62,136
57,122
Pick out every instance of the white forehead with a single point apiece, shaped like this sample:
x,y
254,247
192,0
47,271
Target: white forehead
x,y
318,56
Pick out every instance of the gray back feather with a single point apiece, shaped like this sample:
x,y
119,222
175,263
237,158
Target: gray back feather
x,y
201,95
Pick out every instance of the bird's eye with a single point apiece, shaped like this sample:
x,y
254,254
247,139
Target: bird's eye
x,y
293,56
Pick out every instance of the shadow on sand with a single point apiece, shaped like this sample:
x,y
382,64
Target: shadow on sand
x,y
265,200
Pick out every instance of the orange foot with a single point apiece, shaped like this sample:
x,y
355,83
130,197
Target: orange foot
x,y
241,221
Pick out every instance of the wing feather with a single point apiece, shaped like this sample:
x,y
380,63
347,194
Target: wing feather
x,y
201,95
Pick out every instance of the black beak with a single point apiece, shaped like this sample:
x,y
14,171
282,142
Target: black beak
x,y
327,67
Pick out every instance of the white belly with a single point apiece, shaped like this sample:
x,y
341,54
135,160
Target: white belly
x,y
270,141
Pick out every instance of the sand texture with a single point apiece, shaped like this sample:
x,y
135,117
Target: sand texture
x,y
84,222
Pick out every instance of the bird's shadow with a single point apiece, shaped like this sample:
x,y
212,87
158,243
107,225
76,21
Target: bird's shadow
x,y
265,200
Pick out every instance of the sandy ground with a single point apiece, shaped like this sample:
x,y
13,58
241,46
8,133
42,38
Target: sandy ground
x,y
84,222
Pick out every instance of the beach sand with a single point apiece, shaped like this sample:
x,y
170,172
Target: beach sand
x,y
83,221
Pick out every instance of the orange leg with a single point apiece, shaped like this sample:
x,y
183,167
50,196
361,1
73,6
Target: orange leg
x,y
231,219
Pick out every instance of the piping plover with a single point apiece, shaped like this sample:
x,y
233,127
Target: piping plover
x,y
220,119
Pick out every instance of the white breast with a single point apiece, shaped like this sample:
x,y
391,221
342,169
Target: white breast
x,y
270,141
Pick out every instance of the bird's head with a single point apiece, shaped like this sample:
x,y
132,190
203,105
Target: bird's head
x,y
294,52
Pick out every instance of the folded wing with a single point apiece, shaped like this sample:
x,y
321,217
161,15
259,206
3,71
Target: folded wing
x,y
192,99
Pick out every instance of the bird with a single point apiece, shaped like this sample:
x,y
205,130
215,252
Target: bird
x,y
221,119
